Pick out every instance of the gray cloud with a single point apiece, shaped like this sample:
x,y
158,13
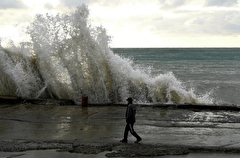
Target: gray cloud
x,y
170,4
222,23
6,4
219,3
74,3
48,6
185,22
225,23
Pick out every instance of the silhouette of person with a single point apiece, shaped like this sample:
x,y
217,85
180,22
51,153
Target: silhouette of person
x,y
130,120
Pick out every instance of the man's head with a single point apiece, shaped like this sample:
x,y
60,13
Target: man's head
x,y
130,100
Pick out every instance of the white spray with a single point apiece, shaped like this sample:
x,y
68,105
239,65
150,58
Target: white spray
x,y
68,58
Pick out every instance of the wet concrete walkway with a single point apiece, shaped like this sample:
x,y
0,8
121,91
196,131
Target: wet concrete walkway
x,y
201,130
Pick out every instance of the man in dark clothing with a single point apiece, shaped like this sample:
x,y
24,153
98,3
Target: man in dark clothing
x,y
130,120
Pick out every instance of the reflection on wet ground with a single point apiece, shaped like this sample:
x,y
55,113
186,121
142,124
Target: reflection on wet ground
x,y
56,122
75,122
106,124
201,128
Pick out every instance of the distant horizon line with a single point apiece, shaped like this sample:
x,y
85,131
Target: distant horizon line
x,y
169,47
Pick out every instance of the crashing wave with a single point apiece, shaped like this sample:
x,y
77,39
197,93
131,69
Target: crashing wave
x,y
67,58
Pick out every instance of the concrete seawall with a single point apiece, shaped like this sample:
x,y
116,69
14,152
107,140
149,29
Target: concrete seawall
x,y
51,101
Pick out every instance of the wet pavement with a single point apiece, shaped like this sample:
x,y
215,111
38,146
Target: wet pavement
x,y
196,130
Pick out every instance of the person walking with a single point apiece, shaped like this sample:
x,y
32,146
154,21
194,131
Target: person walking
x,y
130,120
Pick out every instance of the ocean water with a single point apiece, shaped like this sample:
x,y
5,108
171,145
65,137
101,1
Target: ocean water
x,y
212,71
66,57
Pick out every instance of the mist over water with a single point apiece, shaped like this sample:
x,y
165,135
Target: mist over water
x,y
67,58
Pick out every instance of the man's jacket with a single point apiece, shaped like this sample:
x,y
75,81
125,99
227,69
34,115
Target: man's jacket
x,y
130,113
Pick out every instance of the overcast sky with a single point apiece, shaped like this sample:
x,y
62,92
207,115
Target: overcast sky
x,y
143,23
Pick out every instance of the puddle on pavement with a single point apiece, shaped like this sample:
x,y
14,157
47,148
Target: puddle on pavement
x,y
55,122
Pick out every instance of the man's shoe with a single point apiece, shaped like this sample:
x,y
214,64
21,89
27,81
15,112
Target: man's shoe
x,y
138,140
123,141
